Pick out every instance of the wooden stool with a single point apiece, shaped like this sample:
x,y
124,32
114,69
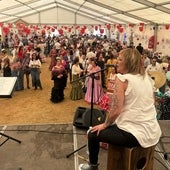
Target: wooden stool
x,y
137,158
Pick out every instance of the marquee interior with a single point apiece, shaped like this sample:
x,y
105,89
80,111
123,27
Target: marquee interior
x,y
97,11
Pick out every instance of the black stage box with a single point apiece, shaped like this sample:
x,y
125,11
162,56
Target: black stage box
x,y
82,117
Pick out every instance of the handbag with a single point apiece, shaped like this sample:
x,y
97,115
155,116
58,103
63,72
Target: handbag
x,y
27,70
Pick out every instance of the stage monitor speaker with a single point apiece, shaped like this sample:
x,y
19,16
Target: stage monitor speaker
x,y
82,117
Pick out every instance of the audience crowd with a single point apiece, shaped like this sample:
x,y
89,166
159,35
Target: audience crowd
x,y
84,61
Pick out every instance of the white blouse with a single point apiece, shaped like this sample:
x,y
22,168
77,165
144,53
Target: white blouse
x,y
35,64
76,69
138,115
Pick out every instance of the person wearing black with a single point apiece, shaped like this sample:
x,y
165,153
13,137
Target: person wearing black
x,y
58,75
140,48
6,68
101,64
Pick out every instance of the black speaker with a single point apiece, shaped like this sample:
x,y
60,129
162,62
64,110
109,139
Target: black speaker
x,y
82,117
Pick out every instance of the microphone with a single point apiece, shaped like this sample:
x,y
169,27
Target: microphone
x,y
111,65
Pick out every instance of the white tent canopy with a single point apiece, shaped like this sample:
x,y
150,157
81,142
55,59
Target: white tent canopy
x,y
86,11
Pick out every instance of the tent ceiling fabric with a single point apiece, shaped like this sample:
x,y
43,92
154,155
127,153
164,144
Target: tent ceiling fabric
x,y
102,11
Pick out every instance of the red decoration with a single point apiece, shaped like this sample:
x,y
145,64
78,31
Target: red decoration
x,y
101,30
43,32
151,42
53,29
131,25
120,29
167,27
26,30
157,43
141,24
5,30
82,31
77,27
108,26
9,25
141,28
96,28
60,32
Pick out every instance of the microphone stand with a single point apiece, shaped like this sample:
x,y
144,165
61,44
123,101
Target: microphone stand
x,y
7,138
92,75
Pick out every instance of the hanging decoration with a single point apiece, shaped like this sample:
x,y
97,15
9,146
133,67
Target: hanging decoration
x,y
121,29
108,26
101,30
151,42
43,32
60,31
167,27
131,25
141,24
141,28
5,30
82,31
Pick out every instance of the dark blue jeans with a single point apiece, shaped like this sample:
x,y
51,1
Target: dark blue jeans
x,y
35,75
19,83
112,135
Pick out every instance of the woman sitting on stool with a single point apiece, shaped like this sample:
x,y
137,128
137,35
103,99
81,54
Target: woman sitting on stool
x,y
131,119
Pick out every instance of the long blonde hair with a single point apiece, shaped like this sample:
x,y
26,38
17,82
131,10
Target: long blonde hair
x,y
133,61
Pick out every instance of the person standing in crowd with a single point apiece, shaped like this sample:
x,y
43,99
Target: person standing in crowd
x,y
146,60
101,64
6,68
76,89
70,60
25,68
16,72
58,75
154,66
131,119
111,61
53,54
4,55
140,48
94,73
20,52
35,65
